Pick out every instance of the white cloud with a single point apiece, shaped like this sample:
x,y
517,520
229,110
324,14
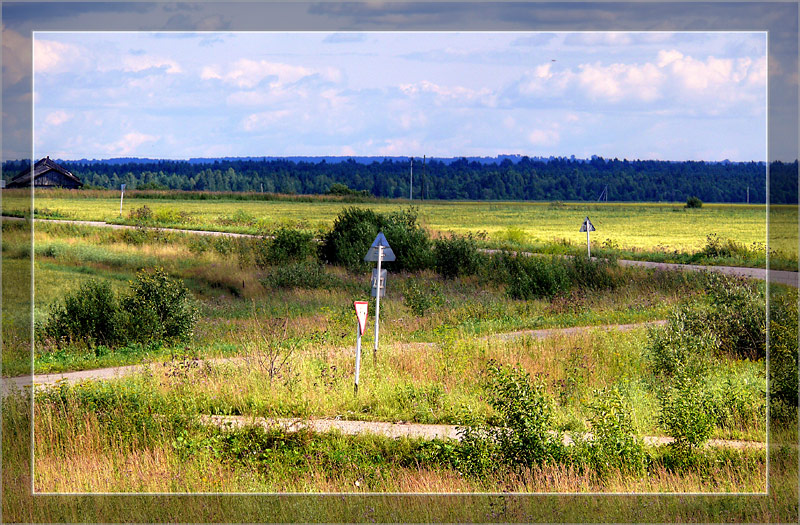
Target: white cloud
x,y
543,137
449,93
129,144
618,81
136,63
265,119
56,118
50,56
246,73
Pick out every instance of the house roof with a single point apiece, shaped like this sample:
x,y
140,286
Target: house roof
x,y
40,168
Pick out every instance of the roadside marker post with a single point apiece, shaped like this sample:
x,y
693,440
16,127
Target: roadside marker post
x,y
379,251
587,227
361,325
121,194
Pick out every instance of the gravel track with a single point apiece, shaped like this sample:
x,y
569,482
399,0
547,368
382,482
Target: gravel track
x,y
412,430
40,380
776,276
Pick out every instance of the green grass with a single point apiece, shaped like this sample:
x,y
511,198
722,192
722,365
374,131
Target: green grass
x,y
634,229
116,429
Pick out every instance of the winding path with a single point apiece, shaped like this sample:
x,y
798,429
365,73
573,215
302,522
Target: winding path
x,y
774,276
21,382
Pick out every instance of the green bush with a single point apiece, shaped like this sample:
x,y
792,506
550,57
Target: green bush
x,y
419,297
686,412
90,315
520,434
456,256
694,202
354,229
684,344
614,444
158,307
536,277
737,315
716,247
290,245
307,274
783,324
592,273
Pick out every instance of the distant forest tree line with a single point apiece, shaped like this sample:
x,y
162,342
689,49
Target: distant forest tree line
x,y
559,178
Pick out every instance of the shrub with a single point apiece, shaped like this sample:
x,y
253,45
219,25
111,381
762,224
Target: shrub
x,y
290,245
521,435
737,315
354,229
159,307
592,273
716,247
614,444
686,413
694,202
455,256
143,214
419,298
536,277
783,357
90,315
307,274
684,344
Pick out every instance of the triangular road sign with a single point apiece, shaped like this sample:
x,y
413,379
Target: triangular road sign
x,y
587,225
372,253
361,314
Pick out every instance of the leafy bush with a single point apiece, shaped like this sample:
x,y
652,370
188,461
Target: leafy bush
x,y
143,214
536,277
783,357
307,274
592,273
694,202
290,245
686,413
684,344
354,229
737,315
158,307
520,435
419,298
614,444
90,315
338,188
455,256
716,247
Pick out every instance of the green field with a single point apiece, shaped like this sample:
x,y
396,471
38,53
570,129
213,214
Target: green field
x,y
653,227
440,338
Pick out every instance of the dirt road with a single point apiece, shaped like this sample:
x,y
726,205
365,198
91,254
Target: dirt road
x,y
413,430
21,382
775,276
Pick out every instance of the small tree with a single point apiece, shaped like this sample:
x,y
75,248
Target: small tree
x,y
694,202
159,307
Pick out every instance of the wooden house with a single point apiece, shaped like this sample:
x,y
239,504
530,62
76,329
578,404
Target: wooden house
x,y
46,174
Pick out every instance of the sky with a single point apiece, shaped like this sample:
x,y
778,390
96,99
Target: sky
x,y
178,95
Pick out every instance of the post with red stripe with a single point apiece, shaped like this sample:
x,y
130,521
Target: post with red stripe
x,y
361,316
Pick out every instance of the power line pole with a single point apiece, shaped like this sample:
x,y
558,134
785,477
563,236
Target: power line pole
x,y
411,183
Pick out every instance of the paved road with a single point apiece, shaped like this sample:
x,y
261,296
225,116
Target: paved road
x,y
20,382
775,276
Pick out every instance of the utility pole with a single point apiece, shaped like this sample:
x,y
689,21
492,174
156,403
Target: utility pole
x,y
748,195
411,183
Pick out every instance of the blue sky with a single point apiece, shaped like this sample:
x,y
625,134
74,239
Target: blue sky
x,y
648,95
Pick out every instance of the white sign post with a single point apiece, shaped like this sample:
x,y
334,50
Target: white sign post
x,y
587,227
121,193
379,251
361,317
